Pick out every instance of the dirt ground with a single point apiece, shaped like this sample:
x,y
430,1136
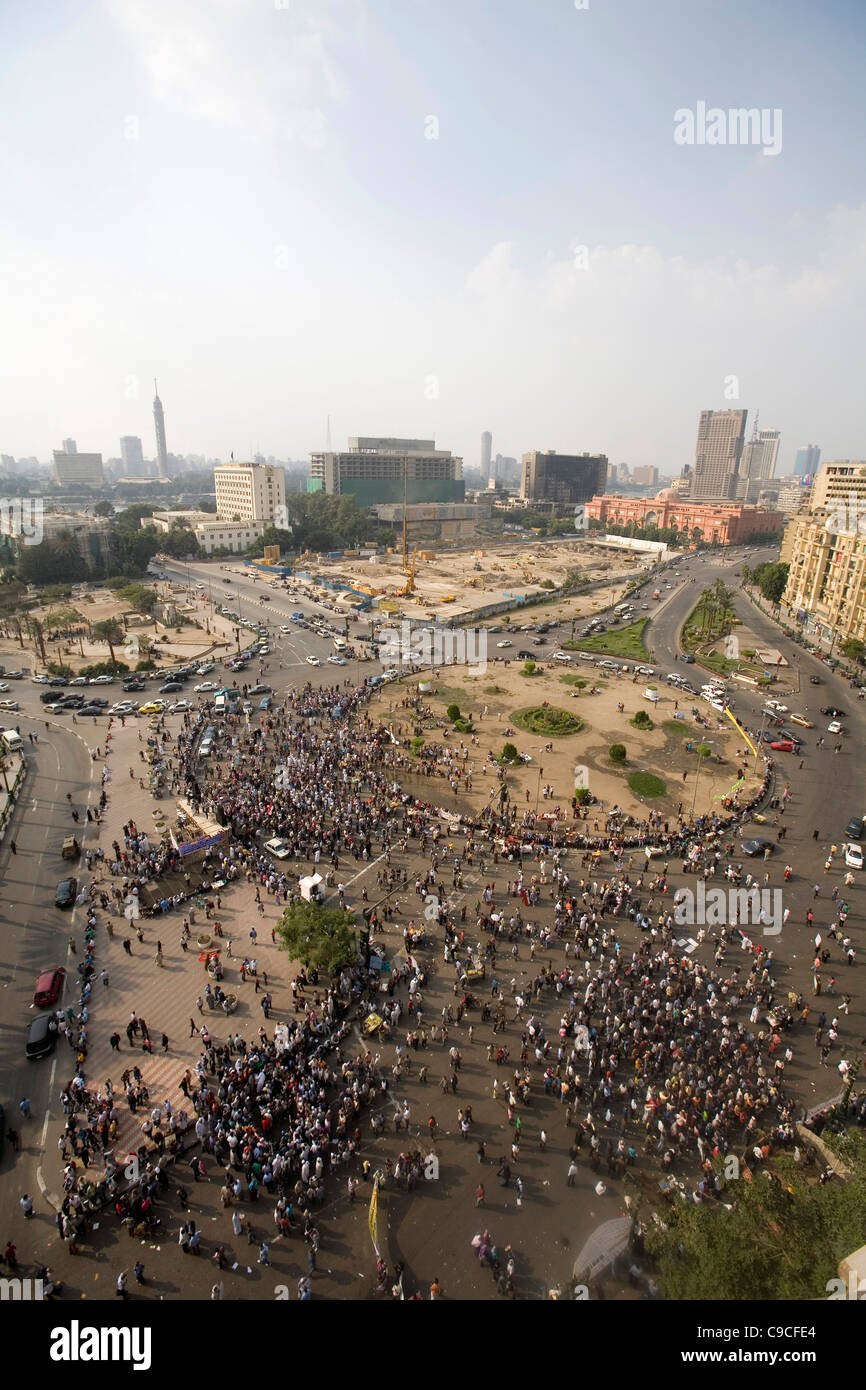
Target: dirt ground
x,y
493,699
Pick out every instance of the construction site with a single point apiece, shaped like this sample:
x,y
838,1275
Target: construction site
x,y
457,584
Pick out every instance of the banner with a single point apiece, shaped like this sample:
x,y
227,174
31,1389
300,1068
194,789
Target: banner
x,y
374,1216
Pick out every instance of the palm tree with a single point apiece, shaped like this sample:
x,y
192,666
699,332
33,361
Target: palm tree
x,y
110,631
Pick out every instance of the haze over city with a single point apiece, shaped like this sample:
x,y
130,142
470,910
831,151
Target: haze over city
x,y
374,211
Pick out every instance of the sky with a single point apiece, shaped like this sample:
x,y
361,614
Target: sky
x,y
429,218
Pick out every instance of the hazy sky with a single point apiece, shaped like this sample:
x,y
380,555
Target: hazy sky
x,y
239,197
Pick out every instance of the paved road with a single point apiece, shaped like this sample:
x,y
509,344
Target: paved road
x,y
33,933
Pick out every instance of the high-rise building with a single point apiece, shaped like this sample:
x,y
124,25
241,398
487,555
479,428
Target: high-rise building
x,y
375,470
72,469
760,454
623,473
717,454
486,451
131,455
251,492
70,446
645,475
563,478
159,425
808,460
504,469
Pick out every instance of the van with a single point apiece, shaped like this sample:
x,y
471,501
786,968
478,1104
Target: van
x,y
11,740
339,644
220,704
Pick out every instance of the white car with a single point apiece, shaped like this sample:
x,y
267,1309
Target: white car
x,y
4,685
853,857
390,675
204,687
561,656
76,680
180,706
644,670
206,668
100,680
337,660
835,727
284,629
775,707
503,644
313,661
123,707
278,848
43,680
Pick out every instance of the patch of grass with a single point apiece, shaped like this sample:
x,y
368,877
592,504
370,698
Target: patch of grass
x,y
493,690
678,727
548,720
623,641
646,784
575,680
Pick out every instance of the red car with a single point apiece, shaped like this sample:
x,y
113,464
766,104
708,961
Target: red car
x,y
783,746
48,987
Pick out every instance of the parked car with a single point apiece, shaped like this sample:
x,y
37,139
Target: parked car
x,y
833,712
503,644
67,889
41,1037
49,987
757,846
853,856
562,656
854,828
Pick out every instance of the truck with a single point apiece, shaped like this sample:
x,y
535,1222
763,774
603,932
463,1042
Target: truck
x,y
657,593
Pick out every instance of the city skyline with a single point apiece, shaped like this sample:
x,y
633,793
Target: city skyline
x,y
621,256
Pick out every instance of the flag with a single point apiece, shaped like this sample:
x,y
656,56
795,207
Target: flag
x,y
374,1215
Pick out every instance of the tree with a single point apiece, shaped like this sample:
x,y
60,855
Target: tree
x,y
453,713
110,632
510,754
853,649
318,936
529,668
771,579
103,509
617,752
795,1232
642,720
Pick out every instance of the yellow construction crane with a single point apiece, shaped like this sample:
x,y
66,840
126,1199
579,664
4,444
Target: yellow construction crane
x,y
409,571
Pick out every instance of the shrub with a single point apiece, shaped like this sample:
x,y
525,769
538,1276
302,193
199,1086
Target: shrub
x,y
416,745
548,720
529,668
581,795
463,726
453,713
616,752
509,754
642,720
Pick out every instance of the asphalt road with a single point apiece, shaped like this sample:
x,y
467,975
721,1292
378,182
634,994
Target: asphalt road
x,y
33,932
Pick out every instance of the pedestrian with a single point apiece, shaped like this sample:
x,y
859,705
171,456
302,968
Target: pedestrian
x,y
165,1042
479,1195
24,1107
138,1271
26,1205
12,844
121,1290
572,1173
